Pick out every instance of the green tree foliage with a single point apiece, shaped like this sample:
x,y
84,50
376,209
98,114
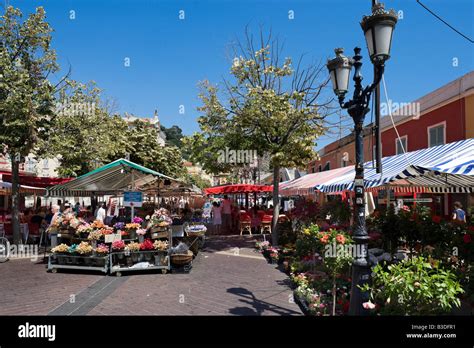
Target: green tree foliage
x,y
26,94
268,106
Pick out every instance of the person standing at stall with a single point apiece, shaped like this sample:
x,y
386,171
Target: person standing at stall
x,y
226,213
53,234
216,212
101,213
459,214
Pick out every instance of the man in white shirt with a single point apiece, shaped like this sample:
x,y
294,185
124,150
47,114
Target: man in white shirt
x,y
101,213
226,213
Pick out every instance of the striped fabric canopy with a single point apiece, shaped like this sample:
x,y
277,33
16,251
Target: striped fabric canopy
x,y
6,189
112,178
305,184
439,169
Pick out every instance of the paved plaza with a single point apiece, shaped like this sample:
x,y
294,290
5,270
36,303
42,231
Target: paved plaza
x,y
228,278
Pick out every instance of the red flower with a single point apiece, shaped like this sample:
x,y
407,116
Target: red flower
x,y
436,219
146,245
324,239
467,238
340,239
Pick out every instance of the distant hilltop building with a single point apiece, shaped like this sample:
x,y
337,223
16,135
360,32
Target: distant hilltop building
x,y
153,122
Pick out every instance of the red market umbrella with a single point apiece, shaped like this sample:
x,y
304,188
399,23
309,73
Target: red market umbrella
x,y
238,188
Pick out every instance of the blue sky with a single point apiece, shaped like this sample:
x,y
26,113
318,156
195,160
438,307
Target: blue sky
x,y
169,56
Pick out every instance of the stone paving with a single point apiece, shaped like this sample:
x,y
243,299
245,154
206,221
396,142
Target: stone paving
x,y
228,278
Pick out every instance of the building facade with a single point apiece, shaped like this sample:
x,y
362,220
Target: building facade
x,y
442,116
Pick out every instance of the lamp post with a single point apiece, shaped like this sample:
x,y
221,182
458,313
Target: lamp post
x,y
378,29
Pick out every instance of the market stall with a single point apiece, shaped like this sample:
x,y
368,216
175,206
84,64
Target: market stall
x,y
445,168
135,245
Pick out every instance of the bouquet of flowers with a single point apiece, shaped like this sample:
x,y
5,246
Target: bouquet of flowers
x,y
137,220
118,245
106,230
160,245
133,246
97,225
84,228
60,249
55,225
141,231
160,218
119,226
84,248
132,226
147,245
262,245
95,235
72,249
102,249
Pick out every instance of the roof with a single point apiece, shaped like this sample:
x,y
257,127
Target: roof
x,y
112,178
238,188
305,184
443,168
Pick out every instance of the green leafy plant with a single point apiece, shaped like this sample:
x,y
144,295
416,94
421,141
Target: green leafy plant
x,y
417,286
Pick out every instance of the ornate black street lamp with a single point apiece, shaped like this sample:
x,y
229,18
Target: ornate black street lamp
x,y
378,29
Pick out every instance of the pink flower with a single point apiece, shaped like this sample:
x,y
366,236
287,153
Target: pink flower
x,y
368,305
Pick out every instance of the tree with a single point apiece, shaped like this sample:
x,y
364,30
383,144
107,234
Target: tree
x,y
268,106
144,149
26,95
84,135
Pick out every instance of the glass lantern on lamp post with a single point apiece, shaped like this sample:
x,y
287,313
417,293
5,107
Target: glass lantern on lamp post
x,y
378,29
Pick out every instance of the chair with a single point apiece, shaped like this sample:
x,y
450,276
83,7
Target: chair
x,y
266,225
245,226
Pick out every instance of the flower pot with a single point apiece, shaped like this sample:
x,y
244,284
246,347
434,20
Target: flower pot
x,y
94,243
129,261
132,234
135,256
160,259
141,238
147,256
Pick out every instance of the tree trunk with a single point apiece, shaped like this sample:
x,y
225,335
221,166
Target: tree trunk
x,y
15,200
276,204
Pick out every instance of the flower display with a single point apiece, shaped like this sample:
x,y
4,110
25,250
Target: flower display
x,y
160,218
84,228
119,226
118,245
262,245
133,246
107,230
72,249
61,248
97,224
102,249
132,226
147,245
137,220
84,248
141,231
123,233
94,235
340,239
160,245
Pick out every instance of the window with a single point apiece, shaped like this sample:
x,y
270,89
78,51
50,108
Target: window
x,y
327,166
437,134
313,169
45,164
320,168
401,144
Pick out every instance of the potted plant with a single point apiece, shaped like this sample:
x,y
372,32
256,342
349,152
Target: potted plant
x,y
101,252
85,249
60,253
141,234
161,247
119,246
132,228
134,248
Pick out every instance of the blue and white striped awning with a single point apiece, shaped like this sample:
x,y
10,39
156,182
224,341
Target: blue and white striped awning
x,y
444,168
